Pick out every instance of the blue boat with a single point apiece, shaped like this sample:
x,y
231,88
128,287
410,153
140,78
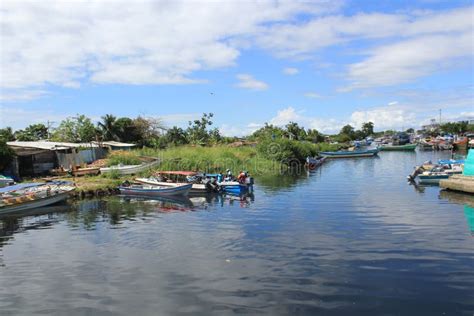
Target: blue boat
x,y
350,154
451,162
233,187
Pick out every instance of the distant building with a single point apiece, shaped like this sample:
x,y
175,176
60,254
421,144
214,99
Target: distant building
x,y
433,126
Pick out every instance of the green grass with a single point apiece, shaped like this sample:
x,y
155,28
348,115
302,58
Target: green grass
x,y
123,157
215,159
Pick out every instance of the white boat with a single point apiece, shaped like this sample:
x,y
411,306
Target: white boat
x,y
30,196
130,169
155,190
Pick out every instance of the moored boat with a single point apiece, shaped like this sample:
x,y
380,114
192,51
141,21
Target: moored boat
x,y
5,181
314,162
130,169
350,154
154,190
406,147
200,184
85,171
28,196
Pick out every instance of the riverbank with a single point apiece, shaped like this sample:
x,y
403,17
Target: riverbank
x,y
269,159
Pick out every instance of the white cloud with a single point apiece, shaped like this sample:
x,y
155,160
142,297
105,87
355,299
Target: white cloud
x,y
18,118
290,71
65,43
408,60
384,118
22,95
312,95
393,103
247,81
180,119
289,114
233,130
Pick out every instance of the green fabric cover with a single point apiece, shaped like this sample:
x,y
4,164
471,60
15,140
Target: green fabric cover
x,y
469,164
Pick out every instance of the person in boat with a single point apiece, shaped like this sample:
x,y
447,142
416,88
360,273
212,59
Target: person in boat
x,y
228,176
241,178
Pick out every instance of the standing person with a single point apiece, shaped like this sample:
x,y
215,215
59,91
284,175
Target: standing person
x,y
228,175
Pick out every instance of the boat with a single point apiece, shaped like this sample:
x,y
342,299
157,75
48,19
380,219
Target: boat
x,y
406,147
33,195
154,190
6,181
314,162
76,172
231,185
130,169
200,183
451,161
350,154
428,174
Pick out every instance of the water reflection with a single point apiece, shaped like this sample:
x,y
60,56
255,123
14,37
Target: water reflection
x,y
461,198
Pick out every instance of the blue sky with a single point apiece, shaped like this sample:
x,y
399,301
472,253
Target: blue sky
x,y
322,64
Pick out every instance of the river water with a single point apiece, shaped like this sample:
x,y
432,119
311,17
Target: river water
x,y
352,238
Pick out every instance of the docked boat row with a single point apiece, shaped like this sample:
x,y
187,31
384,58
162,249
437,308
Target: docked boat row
x,y
167,183
429,173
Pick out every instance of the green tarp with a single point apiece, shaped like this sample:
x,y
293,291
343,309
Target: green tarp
x,y
469,164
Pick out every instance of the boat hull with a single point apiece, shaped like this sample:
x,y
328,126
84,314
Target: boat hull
x,y
410,147
168,191
350,154
35,203
195,189
132,169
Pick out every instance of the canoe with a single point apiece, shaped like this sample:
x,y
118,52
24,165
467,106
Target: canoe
x,y
130,169
155,190
24,197
407,147
313,163
350,154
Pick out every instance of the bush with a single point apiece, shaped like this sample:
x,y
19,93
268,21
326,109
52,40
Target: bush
x,y
123,157
285,149
6,155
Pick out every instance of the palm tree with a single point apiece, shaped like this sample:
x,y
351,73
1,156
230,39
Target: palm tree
x,y
108,127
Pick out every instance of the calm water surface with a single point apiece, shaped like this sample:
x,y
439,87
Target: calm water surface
x,y
351,239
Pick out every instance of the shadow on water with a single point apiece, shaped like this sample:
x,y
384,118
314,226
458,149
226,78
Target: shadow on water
x,y
465,199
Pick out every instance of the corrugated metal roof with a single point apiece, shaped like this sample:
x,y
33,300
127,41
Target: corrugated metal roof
x,y
49,145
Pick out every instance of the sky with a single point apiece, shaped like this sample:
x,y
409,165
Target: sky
x,y
322,64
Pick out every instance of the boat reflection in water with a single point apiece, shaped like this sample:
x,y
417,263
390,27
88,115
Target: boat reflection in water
x,y
462,198
188,203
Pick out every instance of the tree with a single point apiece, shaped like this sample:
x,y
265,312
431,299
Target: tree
x,y
197,130
347,131
6,154
295,131
367,129
6,134
410,131
176,136
108,128
268,131
314,136
78,129
32,133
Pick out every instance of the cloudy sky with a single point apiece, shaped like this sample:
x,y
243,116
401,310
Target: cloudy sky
x,y
321,63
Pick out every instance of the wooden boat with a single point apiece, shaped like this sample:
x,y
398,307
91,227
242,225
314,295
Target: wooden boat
x,y
350,154
25,197
85,171
313,163
130,169
155,190
407,147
